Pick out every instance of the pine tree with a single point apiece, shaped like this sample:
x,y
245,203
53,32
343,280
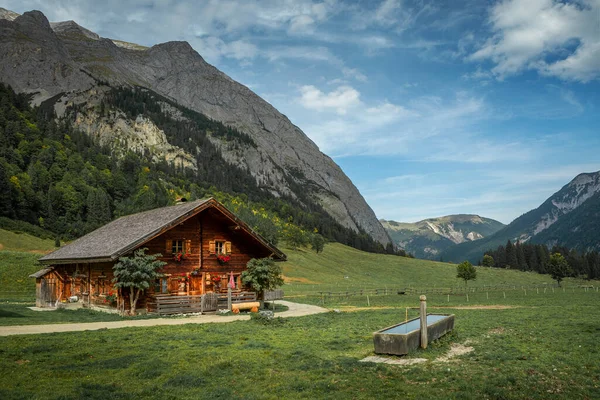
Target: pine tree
x,y
511,256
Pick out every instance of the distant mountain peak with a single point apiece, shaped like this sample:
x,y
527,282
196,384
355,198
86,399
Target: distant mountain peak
x,y
7,14
72,27
34,17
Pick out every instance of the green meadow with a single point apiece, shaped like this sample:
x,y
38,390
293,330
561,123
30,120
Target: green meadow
x,y
524,339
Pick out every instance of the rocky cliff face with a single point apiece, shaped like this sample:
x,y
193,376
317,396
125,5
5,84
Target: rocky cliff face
x,y
66,60
568,218
429,238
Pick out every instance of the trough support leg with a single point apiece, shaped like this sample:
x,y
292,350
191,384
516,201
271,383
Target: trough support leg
x,y
423,321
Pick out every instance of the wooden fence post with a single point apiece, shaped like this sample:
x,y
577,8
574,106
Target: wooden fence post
x,y
423,300
229,298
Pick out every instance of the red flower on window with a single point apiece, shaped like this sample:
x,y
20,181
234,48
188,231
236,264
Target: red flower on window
x,y
223,258
178,257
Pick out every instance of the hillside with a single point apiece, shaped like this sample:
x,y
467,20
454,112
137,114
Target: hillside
x,y
427,239
59,181
71,71
567,218
337,268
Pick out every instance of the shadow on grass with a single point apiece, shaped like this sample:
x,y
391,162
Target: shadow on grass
x,y
10,314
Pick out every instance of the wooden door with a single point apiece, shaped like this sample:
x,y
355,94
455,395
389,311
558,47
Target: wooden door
x,y
196,284
48,291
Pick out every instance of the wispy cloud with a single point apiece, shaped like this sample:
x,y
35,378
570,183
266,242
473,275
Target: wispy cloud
x,y
430,128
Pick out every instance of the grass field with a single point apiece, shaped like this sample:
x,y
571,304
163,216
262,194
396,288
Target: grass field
x,y
534,341
545,348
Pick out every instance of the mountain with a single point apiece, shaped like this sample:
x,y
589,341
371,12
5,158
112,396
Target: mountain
x,y
71,71
570,218
428,238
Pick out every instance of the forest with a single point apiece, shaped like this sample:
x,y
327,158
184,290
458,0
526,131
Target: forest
x,y
535,257
56,182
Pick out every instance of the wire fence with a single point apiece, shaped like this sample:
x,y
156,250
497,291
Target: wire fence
x,y
488,294
446,291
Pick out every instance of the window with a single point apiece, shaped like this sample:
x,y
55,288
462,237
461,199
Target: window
x,y
178,246
219,247
161,286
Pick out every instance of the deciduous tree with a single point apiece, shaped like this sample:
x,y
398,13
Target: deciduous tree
x,y
466,271
488,261
262,274
136,273
558,267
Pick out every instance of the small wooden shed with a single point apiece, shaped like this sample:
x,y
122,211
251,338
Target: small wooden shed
x,y
203,244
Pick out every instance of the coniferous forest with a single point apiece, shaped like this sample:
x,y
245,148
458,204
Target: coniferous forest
x,y
56,182
535,257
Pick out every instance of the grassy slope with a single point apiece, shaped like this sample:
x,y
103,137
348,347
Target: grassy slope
x,y
308,272
18,259
24,242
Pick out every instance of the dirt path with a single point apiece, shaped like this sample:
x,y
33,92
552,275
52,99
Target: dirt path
x,y
294,310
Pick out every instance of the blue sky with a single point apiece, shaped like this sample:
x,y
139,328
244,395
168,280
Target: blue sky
x,y
430,107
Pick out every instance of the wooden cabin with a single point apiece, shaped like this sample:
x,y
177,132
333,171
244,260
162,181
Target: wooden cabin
x,y
202,243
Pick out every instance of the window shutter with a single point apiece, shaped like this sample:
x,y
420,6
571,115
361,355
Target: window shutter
x,y
169,249
188,246
211,247
227,247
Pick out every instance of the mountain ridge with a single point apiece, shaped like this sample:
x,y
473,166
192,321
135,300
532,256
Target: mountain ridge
x,y
429,237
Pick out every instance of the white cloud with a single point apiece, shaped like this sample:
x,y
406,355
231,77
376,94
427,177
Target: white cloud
x,y
555,38
341,99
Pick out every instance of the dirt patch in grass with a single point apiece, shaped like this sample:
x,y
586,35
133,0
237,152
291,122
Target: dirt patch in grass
x,y
40,251
1,246
456,350
496,331
394,361
288,279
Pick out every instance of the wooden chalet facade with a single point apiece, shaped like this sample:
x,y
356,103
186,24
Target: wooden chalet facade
x,y
202,243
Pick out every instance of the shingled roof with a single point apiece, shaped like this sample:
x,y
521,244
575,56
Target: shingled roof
x,y
125,234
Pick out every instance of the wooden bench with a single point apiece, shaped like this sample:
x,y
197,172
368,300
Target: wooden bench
x,y
250,305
